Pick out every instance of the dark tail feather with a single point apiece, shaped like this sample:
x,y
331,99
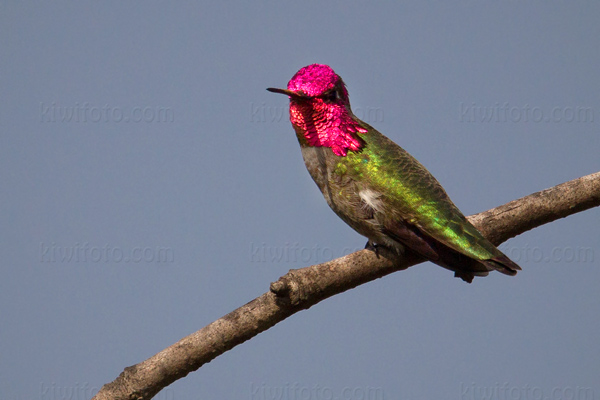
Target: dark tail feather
x,y
502,264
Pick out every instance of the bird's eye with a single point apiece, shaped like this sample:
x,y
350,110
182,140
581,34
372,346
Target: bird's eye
x,y
332,96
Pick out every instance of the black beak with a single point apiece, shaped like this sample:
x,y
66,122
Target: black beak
x,y
288,92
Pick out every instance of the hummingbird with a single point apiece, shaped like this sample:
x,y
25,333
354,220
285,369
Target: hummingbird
x,y
376,186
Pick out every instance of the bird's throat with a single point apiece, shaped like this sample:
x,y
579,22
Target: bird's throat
x,y
323,124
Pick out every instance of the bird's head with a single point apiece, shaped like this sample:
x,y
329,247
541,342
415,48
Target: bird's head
x,y
320,110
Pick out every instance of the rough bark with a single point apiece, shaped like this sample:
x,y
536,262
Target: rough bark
x,y
302,288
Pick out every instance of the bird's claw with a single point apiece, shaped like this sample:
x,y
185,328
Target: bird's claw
x,y
373,247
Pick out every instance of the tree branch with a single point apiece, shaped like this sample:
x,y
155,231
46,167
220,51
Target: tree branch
x,y
302,288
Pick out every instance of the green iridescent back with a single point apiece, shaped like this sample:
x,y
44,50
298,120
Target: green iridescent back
x,y
412,194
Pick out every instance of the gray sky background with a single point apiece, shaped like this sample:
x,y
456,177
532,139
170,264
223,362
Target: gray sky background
x,y
150,184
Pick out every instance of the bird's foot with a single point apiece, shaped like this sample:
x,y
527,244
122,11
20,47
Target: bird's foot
x,y
373,247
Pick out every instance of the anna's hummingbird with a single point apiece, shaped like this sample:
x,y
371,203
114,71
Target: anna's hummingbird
x,y
376,187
